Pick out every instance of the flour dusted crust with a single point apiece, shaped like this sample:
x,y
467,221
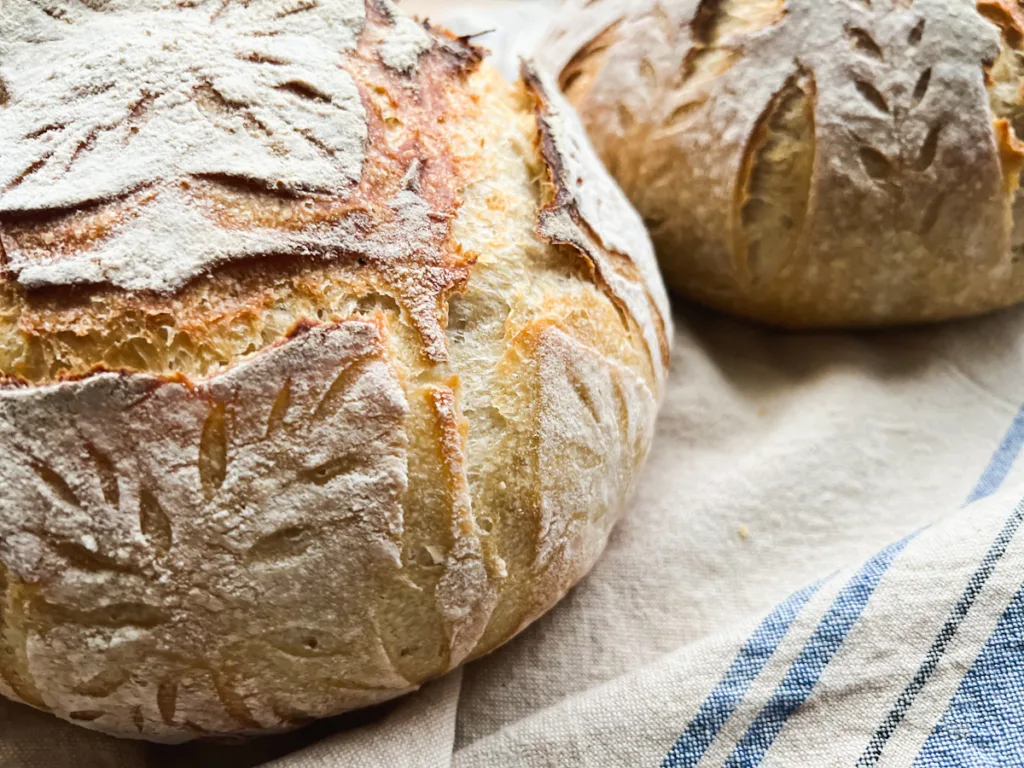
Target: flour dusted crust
x,y
329,359
812,162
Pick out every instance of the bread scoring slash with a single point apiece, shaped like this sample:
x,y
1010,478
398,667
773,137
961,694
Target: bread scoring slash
x,y
320,374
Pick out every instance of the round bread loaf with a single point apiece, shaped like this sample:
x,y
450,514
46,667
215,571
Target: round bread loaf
x,y
329,358
813,162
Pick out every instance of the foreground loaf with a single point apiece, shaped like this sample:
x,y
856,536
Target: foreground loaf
x,y
813,162
330,359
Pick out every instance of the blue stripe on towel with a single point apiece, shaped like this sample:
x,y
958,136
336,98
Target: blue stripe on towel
x,y
984,725
727,695
1002,460
897,714
805,672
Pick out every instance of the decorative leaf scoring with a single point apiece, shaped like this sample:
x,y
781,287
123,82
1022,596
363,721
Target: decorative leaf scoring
x,y
84,559
10,670
167,700
279,412
86,716
233,702
138,718
921,88
290,715
342,465
864,43
586,397
869,92
706,21
714,22
107,474
115,615
104,684
928,149
335,394
289,542
56,484
294,523
579,73
917,33
931,214
154,522
213,450
876,165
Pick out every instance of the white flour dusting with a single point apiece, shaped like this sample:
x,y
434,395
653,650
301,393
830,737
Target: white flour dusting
x,y
254,91
402,49
170,242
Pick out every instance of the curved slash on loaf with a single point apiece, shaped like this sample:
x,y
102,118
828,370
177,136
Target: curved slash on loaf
x,y
589,212
464,594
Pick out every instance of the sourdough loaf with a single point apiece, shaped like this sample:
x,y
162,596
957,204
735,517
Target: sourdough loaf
x,y
813,162
329,358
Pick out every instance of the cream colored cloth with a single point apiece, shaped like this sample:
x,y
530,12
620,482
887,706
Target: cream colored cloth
x,y
760,604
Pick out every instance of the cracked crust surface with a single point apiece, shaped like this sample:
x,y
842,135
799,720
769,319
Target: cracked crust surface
x,y
812,163
289,435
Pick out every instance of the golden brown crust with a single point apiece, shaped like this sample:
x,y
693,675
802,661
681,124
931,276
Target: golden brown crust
x,y
307,482
407,153
813,163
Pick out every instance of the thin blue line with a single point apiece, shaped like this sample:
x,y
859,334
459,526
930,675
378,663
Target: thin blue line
x,y
984,725
975,585
1002,460
723,700
805,672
